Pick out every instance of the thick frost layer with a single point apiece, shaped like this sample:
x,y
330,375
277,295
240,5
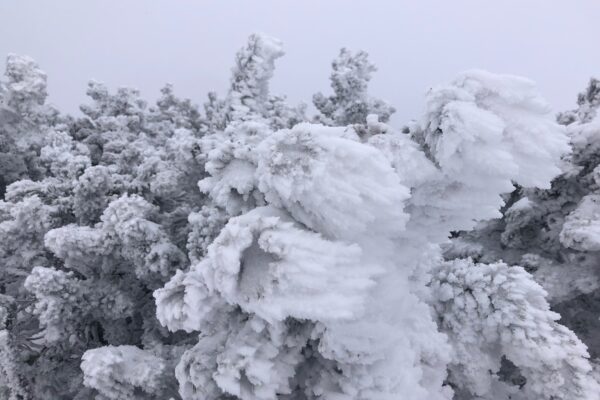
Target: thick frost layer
x,y
250,77
484,131
408,160
350,102
122,372
322,176
581,230
331,184
502,109
333,250
231,165
246,358
494,311
264,263
267,263
553,232
53,289
125,225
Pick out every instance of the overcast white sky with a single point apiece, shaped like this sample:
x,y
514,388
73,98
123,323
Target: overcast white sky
x,y
415,44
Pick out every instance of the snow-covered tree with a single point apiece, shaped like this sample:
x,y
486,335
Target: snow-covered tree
x,y
323,282
498,320
125,372
71,288
248,97
553,233
350,102
154,252
24,119
587,105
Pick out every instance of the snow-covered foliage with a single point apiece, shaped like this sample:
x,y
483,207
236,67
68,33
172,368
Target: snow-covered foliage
x,y
248,97
494,313
587,105
498,124
96,225
24,120
245,252
554,233
350,102
124,372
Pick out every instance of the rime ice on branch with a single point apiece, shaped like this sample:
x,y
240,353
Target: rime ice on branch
x,y
151,252
325,280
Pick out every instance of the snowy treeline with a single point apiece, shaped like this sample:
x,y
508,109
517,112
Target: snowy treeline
x,y
252,251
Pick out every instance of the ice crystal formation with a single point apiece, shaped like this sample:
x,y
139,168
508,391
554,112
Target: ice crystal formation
x,y
253,251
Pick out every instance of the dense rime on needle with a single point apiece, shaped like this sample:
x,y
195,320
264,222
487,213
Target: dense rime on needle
x,y
554,233
253,252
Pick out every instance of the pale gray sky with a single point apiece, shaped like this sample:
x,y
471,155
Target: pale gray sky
x,y
415,44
